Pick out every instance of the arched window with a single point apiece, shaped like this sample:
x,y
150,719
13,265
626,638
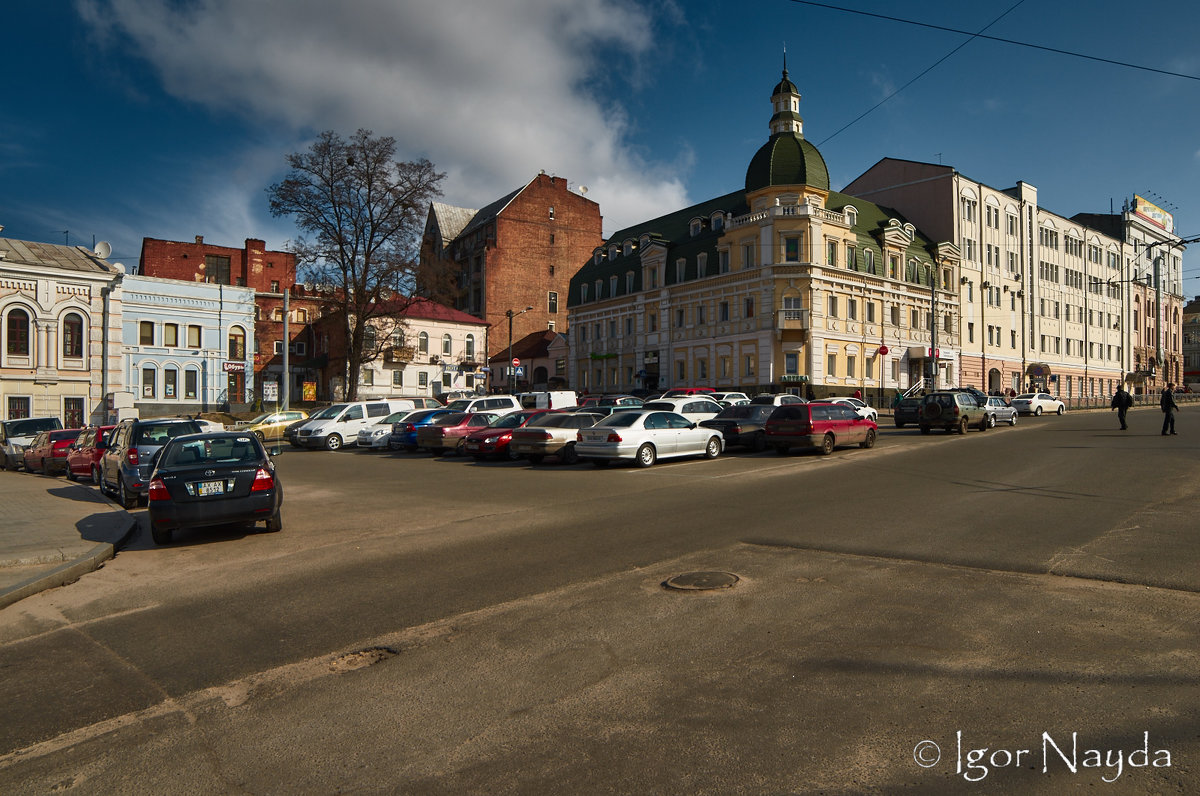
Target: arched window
x,y
18,333
237,343
72,336
423,343
470,346
446,345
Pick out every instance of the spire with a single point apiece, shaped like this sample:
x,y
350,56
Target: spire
x,y
786,102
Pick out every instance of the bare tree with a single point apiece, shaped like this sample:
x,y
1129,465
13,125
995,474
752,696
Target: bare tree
x,y
365,212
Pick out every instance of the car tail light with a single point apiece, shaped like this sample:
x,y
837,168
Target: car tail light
x,y
59,452
614,437
158,490
262,480
132,457
409,428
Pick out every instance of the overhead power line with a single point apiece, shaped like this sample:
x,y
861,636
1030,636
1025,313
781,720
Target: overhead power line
x,y
1056,50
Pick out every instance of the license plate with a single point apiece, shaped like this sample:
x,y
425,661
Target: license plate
x,y
206,488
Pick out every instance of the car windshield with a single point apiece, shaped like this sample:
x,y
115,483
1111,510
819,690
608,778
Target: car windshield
x,y
461,405
509,421
259,419
209,451
662,406
394,417
621,420
329,411
27,428
159,433
1024,397
426,414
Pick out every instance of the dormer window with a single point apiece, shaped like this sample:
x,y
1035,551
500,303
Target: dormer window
x,y
583,292
628,247
597,256
851,216
629,281
612,251
612,285
599,288
718,221
644,241
696,226
702,264
680,265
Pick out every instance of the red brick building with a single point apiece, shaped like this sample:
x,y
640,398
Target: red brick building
x,y
519,251
271,274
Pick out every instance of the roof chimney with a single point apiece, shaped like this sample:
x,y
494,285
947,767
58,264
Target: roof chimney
x,y
199,239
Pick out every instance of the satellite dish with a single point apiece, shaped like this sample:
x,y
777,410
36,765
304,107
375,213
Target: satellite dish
x,y
103,250
582,189
308,287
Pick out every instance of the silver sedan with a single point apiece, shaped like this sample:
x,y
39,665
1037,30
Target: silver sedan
x,y
997,410
645,437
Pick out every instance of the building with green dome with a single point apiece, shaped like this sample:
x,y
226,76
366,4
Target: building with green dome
x,y
782,286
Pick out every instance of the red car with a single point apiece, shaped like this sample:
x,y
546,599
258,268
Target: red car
x,y
48,451
83,458
445,434
493,440
823,426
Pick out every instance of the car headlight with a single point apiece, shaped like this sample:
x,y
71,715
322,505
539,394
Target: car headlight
x,y
380,432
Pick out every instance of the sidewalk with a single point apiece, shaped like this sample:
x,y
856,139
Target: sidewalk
x,y
52,532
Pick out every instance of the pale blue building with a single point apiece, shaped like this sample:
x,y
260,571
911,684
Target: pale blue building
x,y
188,346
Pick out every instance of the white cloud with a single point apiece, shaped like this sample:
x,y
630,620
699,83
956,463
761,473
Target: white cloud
x,y
491,92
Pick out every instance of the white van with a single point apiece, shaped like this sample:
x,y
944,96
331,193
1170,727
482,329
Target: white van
x,y
338,425
554,399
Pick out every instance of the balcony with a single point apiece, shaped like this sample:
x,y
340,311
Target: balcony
x,y
398,354
793,319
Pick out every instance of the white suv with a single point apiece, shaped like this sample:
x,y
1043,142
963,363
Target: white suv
x,y
694,407
497,404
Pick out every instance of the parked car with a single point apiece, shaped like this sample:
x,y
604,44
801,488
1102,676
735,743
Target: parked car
x,y
213,478
418,401
339,424
404,433
951,410
999,411
548,399
1035,403
595,401
376,436
83,457
15,436
495,438
742,424
777,399
551,434
125,465
823,426
494,404
730,398
269,427
48,452
645,437
683,392
861,407
694,407
445,434
979,395
907,411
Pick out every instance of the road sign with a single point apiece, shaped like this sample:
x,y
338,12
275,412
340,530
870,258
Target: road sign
x,y
519,372
883,350
516,362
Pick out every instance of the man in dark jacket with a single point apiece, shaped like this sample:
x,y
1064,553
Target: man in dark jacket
x,y
1169,407
1121,402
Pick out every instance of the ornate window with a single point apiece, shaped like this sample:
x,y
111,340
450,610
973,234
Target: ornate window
x,y
72,336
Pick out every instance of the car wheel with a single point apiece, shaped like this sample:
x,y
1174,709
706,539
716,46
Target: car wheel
x,y
333,442
96,478
275,522
260,436
1061,409
827,445
713,449
1037,411
989,421
869,442
161,535
568,454
536,458
646,455
70,473
925,429
962,426
126,500
1012,421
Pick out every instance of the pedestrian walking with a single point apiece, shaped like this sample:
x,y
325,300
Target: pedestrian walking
x,y
1169,407
1121,402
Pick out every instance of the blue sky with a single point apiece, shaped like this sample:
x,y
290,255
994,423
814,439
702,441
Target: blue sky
x,y
125,119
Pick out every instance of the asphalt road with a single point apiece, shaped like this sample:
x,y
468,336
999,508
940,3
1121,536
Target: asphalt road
x,y
428,625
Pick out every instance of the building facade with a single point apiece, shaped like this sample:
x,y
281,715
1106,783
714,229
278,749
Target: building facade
x,y
786,285
59,311
424,349
1048,302
271,275
519,251
186,345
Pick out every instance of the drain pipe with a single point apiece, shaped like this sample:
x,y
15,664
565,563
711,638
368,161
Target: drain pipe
x,y
106,293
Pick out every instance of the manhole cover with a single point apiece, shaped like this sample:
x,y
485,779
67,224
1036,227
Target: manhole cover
x,y
702,581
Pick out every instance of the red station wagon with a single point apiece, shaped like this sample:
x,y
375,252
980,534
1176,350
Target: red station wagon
x,y
83,458
823,426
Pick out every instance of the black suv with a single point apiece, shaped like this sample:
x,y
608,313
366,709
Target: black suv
x,y
951,410
126,464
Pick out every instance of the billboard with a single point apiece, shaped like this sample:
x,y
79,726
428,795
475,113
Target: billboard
x,y
1153,213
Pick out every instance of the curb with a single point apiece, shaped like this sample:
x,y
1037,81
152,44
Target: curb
x,y
69,572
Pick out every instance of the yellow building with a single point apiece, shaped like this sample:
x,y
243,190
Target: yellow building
x,y
785,286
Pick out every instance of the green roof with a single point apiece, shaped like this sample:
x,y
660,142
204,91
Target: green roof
x,y
787,159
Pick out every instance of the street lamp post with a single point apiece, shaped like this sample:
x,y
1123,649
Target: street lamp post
x,y
512,372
